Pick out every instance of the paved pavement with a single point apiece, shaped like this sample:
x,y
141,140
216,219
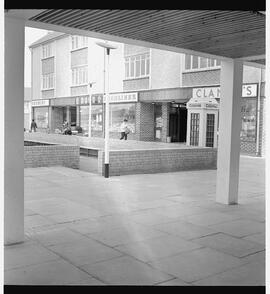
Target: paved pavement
x,y
147,229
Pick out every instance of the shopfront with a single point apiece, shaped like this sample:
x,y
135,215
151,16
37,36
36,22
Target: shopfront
x,y
249,107
40,113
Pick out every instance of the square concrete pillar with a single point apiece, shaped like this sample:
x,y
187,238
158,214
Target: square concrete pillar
x,y
14,133
229,132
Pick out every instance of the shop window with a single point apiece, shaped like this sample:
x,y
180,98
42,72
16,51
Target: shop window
x,y
210,130
97,118
78,42
41,115
47,50
48,81
203,62
79,75
194,129
249,118
137,66
117,114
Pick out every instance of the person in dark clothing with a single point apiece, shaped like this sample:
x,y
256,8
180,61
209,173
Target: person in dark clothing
x,y
33,125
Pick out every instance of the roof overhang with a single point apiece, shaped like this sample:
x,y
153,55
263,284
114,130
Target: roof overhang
x,y
210,33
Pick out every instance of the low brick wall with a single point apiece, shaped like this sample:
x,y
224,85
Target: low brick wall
x,y
52,155
155,161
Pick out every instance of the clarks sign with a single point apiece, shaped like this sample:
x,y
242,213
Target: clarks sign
x,y
214,92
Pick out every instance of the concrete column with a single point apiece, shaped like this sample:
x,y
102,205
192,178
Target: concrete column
x,y
68,115
229,132
14,135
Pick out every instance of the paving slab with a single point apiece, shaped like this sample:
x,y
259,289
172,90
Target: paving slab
x,y
196,264
130,234
240,228
20,255
84,251
153,249
126,271
251,274
57,272
230,245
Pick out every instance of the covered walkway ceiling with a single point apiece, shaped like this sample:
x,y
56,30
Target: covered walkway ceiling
x,y
232,34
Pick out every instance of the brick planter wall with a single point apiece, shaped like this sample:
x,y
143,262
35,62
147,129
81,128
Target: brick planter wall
x,y
155,161
52,155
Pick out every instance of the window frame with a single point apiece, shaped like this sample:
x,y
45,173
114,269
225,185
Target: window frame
x,y
81,42
132,62
47,80
45,49
77,77
199,68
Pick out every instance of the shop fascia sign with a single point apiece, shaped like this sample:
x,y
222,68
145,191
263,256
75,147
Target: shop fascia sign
x,y
122,97
114,98
40,102
248,90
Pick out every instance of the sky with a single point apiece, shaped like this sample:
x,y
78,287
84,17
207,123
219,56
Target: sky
x,y
31,35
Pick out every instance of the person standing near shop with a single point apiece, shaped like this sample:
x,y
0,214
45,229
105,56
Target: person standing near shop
x,y
33,125
124,129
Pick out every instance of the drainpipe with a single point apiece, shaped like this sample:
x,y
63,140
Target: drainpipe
x,y
258,116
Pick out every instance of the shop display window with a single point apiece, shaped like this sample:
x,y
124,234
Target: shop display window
x,y
117,114
249,118
41,115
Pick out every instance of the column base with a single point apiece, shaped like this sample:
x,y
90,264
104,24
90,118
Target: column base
x,y
106,170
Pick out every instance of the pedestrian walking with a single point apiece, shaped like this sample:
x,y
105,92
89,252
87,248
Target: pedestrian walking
x,y
124,129
33,125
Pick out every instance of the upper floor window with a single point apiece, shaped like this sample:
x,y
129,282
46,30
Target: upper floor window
x,y
48,81
79,75
47,50
78,42
137,66
195,62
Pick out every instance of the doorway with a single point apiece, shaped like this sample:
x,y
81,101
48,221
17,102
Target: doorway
x,y
178,123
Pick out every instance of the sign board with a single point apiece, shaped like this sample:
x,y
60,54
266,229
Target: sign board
x,y
123,98
40,102
249,90
83,100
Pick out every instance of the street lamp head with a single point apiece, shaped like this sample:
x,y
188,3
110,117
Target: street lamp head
x,y
106,46
91,84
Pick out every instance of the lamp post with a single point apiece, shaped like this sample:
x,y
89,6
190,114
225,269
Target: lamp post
x,y
90,109
106,46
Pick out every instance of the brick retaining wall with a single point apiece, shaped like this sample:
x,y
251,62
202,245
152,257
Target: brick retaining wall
x,y
155,161
52,155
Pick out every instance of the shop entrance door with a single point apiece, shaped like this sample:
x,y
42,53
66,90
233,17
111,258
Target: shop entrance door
x,y
178,123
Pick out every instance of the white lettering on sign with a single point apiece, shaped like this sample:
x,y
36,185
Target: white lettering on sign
x,y
214,92
36,103
127,97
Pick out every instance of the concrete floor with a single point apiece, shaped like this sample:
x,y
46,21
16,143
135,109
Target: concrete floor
x,y
148,229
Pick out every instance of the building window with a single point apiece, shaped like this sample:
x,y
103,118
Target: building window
x,y
78,42
194,129
47,50
41,115
210,130
249,118
48,81
199,63
79,75
120,111
137,66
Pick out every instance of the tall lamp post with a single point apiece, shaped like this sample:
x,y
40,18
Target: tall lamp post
x,y
90,109
107,46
